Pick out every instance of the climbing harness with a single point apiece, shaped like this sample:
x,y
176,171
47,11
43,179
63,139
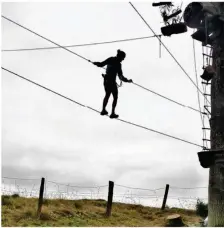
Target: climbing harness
x,y
103,75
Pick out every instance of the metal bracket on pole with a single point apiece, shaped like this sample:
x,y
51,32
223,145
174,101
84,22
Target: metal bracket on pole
x,y
206,128
208,158
206,83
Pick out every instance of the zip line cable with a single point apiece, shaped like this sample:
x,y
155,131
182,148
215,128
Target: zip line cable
x,y
91,62
149,129
166,48
80,45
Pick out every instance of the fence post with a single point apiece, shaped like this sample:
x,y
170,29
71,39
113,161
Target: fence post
x,y
40,201
110,198
165,197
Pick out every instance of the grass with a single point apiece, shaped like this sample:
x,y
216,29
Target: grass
x,y
18,211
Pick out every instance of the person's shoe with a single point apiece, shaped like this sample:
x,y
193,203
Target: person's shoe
x,y
104,112
113,115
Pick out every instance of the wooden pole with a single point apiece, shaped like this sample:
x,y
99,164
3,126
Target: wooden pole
x,y
165,197
40,201
214,159
110,198
216,172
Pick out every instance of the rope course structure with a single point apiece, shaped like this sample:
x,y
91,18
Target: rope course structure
x,y
46,39
207,61
167,49
196,76
78,103
169,99
64,47
206,106
203,113
125,194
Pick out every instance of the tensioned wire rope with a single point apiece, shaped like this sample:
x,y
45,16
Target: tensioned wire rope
x,y
78,103
166,48
79,45
63,47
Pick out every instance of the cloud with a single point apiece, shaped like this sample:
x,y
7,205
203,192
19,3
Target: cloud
x,y
46,135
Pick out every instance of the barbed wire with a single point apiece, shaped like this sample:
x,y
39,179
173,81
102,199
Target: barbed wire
x,y
115,195
130,198
15,178
100,186
174,187
131,195
144,189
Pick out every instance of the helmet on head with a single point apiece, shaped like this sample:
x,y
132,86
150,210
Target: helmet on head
x,y
121,54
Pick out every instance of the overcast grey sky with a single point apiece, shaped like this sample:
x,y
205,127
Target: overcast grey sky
x,y
46,135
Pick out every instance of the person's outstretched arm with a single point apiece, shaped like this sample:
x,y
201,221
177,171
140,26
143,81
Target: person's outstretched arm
x,y
102,64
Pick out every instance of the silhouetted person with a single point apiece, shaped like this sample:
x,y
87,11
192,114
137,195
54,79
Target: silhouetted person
x,y
110,85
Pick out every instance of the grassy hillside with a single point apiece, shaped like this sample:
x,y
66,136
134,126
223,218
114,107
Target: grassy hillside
x,y
18,211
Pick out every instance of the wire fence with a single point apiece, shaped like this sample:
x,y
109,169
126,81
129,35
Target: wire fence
x,y
185,198
53,190
177,197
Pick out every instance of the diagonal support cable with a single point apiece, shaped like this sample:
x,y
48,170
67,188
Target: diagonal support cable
x,y
45,38
166,48
127,122
175,102
59,46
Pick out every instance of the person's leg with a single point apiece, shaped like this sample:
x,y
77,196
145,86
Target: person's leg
x,y
114,104
106,98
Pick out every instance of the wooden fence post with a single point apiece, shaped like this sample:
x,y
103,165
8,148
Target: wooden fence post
x,y
110,198
165,197
40,201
